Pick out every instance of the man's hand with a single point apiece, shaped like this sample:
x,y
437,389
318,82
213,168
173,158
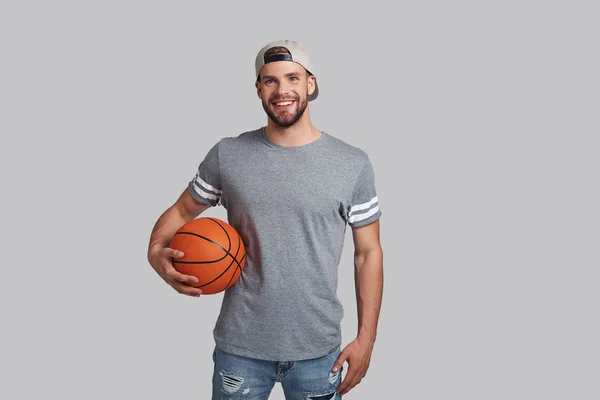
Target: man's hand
x,y
358,356
160,259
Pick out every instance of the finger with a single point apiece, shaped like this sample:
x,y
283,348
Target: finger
x,y
187,290
348,382
173,274
339,362
351,383
179,277
173,252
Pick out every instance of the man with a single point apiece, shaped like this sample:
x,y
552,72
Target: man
x,y
290,190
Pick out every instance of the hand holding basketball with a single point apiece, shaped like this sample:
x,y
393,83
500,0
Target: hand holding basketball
x,y
160,259
213,252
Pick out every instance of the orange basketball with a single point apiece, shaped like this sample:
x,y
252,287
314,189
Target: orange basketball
x,y
213,252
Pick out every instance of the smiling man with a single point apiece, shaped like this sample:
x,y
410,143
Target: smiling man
x,y
285,87
284,108
290,190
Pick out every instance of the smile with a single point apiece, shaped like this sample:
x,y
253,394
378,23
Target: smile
x,y
283,104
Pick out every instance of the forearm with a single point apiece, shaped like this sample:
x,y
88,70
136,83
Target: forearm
x,y
368,277
165,227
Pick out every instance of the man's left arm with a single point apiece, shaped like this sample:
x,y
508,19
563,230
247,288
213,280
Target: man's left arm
x,y
368,277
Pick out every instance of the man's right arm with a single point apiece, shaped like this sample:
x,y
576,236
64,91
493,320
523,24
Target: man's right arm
x,y
185,209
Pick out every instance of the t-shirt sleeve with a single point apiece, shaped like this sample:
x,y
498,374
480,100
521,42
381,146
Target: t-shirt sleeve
x,y
206,185
364,208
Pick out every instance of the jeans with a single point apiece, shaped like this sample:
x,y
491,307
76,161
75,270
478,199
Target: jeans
x,y
237,377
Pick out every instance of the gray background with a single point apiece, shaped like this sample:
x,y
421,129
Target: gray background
x,y
481,120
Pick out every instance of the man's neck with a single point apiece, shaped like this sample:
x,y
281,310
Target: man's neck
x,y
299,134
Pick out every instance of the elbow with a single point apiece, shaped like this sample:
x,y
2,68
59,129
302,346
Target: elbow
x,y
370,255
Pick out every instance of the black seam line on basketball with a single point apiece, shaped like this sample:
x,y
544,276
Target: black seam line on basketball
x,y
238,266
224,230
229,266
217,278
206,262
229,238
217,244
235,258
228,251
232,275
224,272
207,239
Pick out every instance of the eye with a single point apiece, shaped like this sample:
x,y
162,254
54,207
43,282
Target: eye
x,y
294,78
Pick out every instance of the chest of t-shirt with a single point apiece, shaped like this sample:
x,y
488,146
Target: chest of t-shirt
x,y
285,184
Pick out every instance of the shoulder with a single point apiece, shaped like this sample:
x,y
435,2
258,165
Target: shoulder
x,y
349,152
244,137
240,140
232,143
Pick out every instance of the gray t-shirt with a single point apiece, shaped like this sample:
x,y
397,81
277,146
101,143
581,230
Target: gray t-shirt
x,y
291,206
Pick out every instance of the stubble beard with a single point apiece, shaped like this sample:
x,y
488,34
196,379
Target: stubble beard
x,y
286,120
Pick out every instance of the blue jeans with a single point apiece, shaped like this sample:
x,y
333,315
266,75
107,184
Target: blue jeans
x,y
237,377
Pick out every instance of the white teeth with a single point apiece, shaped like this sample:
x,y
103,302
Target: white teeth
x,y
285,103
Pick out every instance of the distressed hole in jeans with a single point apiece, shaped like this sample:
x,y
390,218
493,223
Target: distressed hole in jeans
x,y
333,377
321,396
231,383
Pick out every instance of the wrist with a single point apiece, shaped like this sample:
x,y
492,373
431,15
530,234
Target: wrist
x,y
367,337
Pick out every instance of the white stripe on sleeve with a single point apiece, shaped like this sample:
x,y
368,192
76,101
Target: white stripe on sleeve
x,y
203,193
360,217
363,206
207,186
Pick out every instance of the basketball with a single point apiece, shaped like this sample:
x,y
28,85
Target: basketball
x,y
213,252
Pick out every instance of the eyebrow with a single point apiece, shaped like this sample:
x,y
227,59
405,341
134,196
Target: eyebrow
x,y
289,74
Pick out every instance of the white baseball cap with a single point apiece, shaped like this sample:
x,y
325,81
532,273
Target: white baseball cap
x,y
297,54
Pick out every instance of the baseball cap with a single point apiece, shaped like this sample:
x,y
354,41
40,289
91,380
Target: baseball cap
x,y
297,54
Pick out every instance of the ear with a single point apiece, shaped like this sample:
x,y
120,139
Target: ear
x,y
311,84
258,91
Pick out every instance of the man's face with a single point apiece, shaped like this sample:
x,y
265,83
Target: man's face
x,y
283,89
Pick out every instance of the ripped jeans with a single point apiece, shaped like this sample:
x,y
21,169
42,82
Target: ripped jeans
x,y
237,377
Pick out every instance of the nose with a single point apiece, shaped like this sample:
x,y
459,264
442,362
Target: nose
x,y
283,88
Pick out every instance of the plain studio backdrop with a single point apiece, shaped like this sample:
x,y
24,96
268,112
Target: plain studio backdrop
x,y
481,121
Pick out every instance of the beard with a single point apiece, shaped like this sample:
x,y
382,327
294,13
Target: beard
x,y
285,119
